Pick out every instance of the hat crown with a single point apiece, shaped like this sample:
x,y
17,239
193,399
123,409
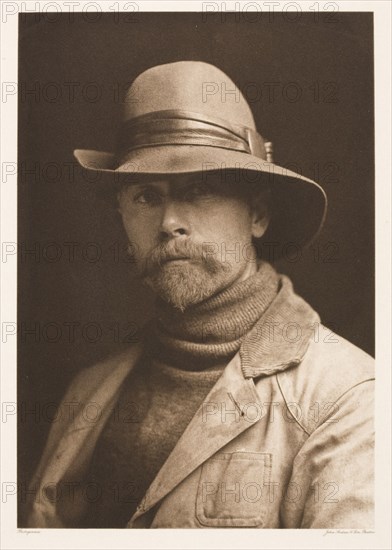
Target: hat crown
x,y
188,85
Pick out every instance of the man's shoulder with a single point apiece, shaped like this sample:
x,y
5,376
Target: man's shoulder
x,y
341,357
331,367
320,363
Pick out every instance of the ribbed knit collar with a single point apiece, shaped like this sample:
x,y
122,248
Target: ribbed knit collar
x,y
211,332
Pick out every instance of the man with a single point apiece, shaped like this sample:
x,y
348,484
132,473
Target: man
x,y
234,410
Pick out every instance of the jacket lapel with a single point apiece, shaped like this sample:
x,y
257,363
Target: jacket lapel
x,y
221,417
281,337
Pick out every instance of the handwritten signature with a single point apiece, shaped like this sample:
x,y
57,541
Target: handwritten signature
x,y
347,531
28,531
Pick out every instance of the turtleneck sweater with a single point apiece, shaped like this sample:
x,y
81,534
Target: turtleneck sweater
x,y
212,331
185,354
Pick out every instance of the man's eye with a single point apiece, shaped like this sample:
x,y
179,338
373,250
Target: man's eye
x,y
147,197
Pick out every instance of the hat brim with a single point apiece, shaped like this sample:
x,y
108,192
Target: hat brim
x,y
299,204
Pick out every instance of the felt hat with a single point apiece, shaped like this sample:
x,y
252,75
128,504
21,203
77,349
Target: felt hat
x,y
189,117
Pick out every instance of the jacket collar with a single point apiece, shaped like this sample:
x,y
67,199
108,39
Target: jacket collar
x,y
281,337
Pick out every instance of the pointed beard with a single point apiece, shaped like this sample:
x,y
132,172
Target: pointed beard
x,y
187,283
184,283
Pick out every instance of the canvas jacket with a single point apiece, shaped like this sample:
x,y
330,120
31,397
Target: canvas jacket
x,y
284,439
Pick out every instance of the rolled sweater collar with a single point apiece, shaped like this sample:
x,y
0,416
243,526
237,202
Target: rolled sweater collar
x,y
210,333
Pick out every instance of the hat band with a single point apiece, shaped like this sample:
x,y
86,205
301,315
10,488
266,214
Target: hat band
x,y
178,127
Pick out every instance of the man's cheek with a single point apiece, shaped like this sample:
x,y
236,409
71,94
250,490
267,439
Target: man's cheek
x,y
139,236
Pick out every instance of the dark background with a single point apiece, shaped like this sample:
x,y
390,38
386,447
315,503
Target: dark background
x,y
72,73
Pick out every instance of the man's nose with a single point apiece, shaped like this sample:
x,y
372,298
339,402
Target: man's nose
x,y
174,222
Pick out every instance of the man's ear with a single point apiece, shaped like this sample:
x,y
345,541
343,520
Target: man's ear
x,y
260,213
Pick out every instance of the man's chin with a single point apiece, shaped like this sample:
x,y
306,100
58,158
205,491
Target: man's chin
x,y
183,284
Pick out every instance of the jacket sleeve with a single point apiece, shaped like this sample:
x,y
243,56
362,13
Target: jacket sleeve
x,y
332,482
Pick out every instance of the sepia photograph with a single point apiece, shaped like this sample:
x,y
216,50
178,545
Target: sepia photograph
x,y
233,405
196,269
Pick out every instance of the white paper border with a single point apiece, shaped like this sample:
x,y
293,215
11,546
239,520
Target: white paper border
x,y
211,538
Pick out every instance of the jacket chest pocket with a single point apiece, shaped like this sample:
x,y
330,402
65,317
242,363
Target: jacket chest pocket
x,y
232,490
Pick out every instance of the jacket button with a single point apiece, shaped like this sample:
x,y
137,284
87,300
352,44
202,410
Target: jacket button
x,y
51,492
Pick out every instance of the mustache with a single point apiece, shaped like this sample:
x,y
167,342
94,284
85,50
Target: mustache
x,y
165,251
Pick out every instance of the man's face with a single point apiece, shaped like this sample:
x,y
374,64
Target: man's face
x,y
191,236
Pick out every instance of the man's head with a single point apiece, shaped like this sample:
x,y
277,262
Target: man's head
x,y
192,236
187,118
